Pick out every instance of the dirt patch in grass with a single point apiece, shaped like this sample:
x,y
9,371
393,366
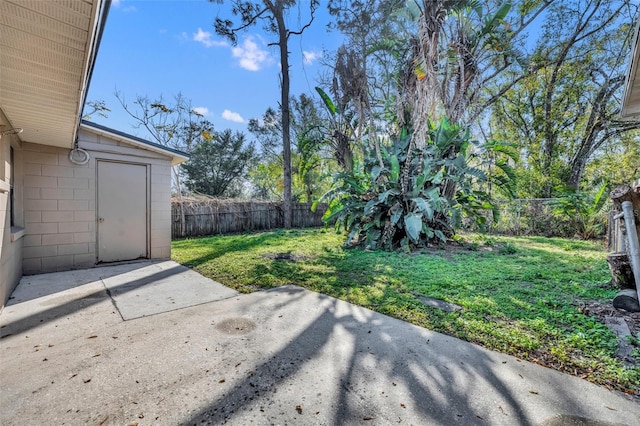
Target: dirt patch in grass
x,y
600,310
287,257
449,249
603,313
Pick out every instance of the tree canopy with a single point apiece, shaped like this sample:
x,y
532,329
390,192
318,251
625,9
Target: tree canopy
x,y
428,110
568,106
218,163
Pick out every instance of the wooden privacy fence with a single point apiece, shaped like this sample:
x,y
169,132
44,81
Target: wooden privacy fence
x,y
206,216
217,217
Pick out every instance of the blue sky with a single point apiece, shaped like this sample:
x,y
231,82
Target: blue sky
x,y
158,48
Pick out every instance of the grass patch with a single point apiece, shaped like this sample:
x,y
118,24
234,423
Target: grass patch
x,y
520,295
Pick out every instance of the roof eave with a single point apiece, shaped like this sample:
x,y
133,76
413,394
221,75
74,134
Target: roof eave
x,y
177,157
100,19
631,109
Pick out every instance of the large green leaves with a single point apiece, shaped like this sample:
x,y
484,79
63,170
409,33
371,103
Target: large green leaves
x,y
413,226
331,107
380,212
395,168
424,207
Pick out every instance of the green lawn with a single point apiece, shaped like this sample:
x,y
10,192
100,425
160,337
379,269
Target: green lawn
x,y
519,295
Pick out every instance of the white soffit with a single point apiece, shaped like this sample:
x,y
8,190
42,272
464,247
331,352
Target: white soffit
x,y
631,98
46,55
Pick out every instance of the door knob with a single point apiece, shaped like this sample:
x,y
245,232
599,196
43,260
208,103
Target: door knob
x,y
101,219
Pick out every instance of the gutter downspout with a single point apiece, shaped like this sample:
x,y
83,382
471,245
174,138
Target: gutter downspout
x,y
632,239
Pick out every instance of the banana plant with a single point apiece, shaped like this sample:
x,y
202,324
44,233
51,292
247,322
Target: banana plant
x,y
340,132
370,203
584,209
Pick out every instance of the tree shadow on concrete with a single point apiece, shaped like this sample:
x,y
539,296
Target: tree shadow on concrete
x,y
385,370
42,285
76,293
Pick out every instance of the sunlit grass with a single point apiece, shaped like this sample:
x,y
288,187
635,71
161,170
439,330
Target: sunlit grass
x,y
518,295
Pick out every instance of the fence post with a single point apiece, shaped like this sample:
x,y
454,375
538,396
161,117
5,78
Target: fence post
x,y
615,242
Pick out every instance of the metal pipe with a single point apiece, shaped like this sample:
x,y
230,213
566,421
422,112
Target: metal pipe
x,y
632,239
12,131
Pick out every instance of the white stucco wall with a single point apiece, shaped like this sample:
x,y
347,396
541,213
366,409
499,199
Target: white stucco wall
x,y
60,203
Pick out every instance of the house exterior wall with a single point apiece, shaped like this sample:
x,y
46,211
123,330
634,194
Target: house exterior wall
x,y
10,237
60,203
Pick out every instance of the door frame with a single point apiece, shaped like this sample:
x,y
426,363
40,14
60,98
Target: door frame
x,y
147,205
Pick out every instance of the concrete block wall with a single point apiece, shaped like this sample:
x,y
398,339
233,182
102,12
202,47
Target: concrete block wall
x,y
60,203
160,211
59,211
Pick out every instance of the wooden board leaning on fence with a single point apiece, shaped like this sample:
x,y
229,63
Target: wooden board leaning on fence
x,y
623,235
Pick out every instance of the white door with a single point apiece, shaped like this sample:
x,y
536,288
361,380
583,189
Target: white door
x,y
122,211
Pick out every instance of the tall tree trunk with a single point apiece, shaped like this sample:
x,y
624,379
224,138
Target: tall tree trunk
x,y
278,13
575,175
602,125
547,152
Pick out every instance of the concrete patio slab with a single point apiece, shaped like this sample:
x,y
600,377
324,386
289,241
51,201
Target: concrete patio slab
x,y
285,356
137,289
162,287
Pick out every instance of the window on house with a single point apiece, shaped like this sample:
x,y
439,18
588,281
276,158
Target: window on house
x,y
12,207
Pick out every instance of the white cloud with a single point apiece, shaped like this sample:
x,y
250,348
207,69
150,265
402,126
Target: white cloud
x,y
310,56
127,9
250,56
203,111
204,37
232,116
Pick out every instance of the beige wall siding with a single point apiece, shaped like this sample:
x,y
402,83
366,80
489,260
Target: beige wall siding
x,y
60,203
11,239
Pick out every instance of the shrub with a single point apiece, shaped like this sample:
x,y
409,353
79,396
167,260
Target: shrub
x,y
583,210
400,198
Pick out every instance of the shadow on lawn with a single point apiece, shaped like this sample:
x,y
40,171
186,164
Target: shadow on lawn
x,y
214,247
